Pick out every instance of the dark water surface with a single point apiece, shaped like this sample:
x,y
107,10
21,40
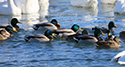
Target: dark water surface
x,y
15,52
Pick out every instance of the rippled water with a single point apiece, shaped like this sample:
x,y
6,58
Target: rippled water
x,y
15,52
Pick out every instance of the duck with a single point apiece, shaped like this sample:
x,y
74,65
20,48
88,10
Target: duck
x,y
111,25
53,25
10,9
110,43
108,1
13,24
90,38
120,7
3,35
84,3
8,30
40,37
120,57
71,37
122,34
67,32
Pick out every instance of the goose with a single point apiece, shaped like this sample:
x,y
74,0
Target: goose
x,y
120,57
40,37
11,9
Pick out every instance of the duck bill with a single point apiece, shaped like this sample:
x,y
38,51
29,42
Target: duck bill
x,y
80,29
53,35
115,26
14,30
103,34
121,41
19,22
109,34
58,24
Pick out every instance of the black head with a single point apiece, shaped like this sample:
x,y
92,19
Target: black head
x,y
54,21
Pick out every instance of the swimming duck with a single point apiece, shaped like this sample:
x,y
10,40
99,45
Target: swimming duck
x,y
110,43
14,22
8,29
120,57
111,25
51,26
40,37
71,37
14,25
90,38
122,34
66,32
3,35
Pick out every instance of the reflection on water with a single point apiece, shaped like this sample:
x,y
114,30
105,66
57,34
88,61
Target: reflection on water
x,y
60,53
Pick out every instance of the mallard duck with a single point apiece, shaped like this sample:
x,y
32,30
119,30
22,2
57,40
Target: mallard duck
x,y
122,34
120,57
40,37
8,29
111,25
66,32
14,22
14,25
110,43
3,35
71,37
89,38
53,25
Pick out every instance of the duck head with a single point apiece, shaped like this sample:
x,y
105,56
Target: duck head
x,y
48,33
76,27
98,32
111,25
14,22
54,21
117,39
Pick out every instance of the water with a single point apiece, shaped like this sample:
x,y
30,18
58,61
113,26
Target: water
x,y
15,52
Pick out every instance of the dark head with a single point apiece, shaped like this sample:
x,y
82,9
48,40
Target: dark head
x,y
54,21
76,27
117,39
98,32
48,33
14,22
111,25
